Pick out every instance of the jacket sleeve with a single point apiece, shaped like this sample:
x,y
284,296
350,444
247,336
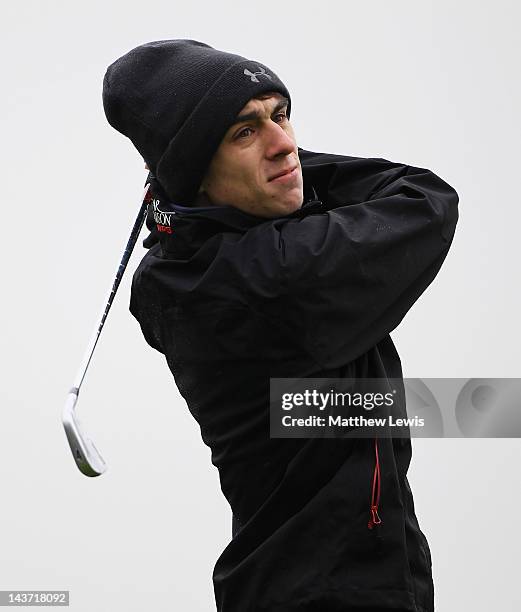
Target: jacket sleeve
x,y
351,274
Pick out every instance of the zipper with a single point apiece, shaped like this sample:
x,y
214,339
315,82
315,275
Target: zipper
x,y
375,494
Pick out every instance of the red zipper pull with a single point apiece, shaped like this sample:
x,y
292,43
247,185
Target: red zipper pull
x,y
375,496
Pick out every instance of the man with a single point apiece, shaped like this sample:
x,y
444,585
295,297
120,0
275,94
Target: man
x,y
268,261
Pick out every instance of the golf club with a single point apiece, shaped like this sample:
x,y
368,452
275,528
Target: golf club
x,y
86,455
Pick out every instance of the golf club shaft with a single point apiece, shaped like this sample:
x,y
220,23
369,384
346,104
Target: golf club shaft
x,y
138,224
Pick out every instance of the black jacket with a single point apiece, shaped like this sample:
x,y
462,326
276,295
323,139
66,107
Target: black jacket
x,y
232,300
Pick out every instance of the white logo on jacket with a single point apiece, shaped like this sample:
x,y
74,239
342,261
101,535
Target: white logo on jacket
x,y
160,216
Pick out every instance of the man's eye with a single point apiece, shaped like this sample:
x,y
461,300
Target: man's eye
x,y
244,133
280,117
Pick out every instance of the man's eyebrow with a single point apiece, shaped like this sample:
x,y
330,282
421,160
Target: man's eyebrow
x,y
255,114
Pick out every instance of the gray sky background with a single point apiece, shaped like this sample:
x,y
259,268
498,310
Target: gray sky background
x,y
431,84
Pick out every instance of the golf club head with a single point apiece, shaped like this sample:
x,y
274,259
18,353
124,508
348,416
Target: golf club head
x,y
86,455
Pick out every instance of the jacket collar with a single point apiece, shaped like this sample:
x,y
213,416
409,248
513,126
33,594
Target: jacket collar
x,y
183,229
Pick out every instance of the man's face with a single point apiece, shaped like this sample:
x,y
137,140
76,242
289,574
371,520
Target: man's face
x,y
256,167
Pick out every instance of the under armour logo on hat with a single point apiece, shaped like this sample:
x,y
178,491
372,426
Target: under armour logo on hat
x,y
253,75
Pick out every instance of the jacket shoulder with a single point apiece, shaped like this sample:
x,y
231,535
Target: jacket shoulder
x,y
315,158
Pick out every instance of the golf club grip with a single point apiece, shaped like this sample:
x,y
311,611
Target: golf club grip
x,y
134,234
138,224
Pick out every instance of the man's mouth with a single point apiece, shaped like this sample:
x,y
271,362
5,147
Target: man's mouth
x,y
288,172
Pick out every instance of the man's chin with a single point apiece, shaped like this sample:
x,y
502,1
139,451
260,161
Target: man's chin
x,y
287,203
282,210
293,204
292,207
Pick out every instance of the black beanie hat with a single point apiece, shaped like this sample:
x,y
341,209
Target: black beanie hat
x,y
175,100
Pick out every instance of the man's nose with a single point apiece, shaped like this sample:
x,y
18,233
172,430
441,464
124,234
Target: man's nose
x,y
278,142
